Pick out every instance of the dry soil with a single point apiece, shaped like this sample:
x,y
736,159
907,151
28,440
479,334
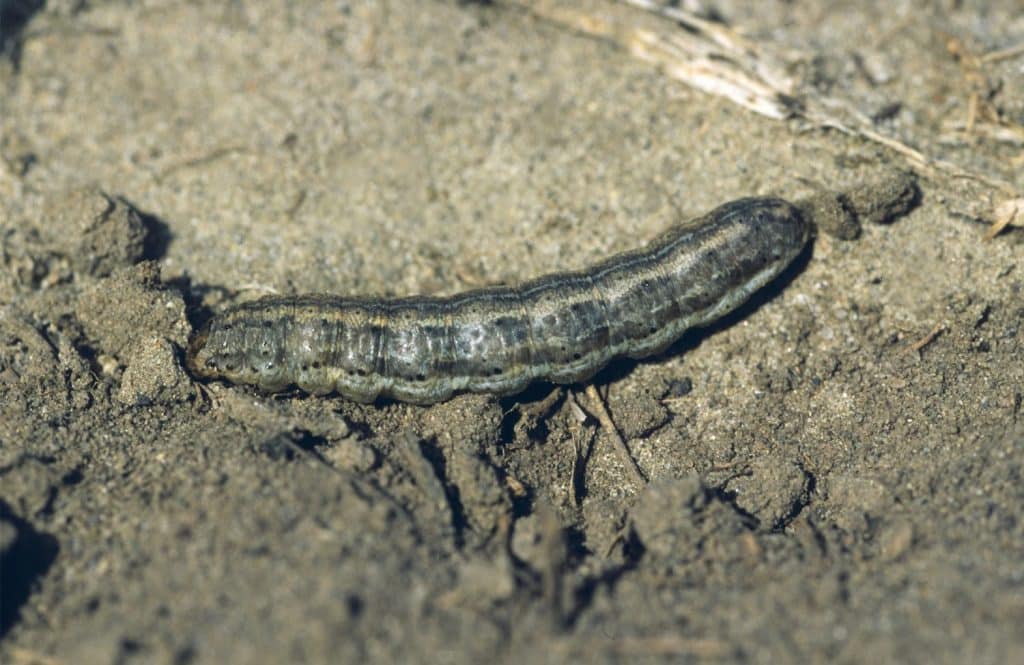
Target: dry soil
x,y
834,472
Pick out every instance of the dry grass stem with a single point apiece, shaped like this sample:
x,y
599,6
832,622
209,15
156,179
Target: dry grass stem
x,y
715,59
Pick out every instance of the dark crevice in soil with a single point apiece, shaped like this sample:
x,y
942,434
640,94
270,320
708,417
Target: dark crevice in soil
x,y
584,594
460,523
798,506
23,561
728,497
14,16
290,444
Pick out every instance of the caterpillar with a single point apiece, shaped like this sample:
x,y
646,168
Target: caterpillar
x,y
562,327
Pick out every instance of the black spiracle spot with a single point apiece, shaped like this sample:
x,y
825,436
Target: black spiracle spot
x,y
502,322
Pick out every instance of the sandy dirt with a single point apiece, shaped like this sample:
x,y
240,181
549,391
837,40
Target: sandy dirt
x,y
834,472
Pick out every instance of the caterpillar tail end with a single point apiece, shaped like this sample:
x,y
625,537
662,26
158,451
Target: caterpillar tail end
x,y
195,358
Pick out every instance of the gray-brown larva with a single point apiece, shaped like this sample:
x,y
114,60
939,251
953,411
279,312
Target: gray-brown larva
x,y
562,327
